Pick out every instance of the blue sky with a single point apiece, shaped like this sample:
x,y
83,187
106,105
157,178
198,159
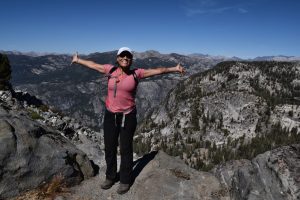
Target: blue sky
x,y
243,28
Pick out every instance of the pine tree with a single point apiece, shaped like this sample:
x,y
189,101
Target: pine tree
x,y
5,72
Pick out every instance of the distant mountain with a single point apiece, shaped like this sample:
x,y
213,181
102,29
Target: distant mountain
x,y
30,53
80,92
224,58
277,58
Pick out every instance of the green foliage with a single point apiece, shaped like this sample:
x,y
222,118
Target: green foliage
x,y
277,137
5,72
226,132
34,115
44,108
195,115
276,72
141,147
234,148
291,113
232,77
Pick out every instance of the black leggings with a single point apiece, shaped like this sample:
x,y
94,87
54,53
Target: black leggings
x,y
112,129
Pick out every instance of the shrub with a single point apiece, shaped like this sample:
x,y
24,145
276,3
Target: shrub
x,y
5,72
35,115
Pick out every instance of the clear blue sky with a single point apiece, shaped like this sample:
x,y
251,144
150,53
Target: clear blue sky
x,y
243,28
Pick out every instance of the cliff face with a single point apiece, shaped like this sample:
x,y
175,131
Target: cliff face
x,y
234,110
272,175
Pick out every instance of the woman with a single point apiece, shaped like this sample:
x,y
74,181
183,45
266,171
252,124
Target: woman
x,y
120,115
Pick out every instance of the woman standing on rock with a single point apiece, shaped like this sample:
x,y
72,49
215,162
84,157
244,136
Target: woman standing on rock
x,y
120,115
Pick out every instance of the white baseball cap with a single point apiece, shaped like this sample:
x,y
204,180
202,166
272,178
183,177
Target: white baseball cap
x,y
124,49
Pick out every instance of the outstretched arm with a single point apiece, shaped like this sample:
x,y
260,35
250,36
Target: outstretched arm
x,y
88,63
163,70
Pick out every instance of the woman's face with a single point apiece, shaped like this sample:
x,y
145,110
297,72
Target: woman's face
x,y
125,59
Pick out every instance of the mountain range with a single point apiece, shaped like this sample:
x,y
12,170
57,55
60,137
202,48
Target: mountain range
x,y
80,92
235,122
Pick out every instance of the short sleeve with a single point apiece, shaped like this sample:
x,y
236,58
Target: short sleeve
x,y
140,73
107,68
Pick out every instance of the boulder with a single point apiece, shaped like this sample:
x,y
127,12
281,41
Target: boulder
x,y
32,154
166,177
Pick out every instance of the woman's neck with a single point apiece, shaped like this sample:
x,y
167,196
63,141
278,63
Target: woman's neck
x,y
124,69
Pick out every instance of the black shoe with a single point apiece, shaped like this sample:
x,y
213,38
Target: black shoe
x,y
123,188
107,184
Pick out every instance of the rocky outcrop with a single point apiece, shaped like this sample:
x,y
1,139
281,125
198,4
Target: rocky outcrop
x,y
32,153
273,175
167,177
158,176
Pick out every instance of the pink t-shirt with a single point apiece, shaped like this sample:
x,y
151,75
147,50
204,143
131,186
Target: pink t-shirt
x,y
124,101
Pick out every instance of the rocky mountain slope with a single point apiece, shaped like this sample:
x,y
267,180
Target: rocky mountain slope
x,y
234,110
37,143
80,92
272,175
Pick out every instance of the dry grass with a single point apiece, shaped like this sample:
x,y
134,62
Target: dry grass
x,y
56,187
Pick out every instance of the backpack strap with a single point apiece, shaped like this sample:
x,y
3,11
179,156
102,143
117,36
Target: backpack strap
x,y
130,72
111,71
136,79
135,76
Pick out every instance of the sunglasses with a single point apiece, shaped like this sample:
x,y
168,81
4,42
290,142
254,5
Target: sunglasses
x,y
127,54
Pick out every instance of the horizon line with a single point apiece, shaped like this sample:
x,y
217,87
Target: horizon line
x,y
37,54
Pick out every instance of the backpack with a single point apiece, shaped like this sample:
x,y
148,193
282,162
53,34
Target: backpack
x,y
131,72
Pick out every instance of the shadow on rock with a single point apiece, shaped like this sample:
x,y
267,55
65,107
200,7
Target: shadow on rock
x,y
95,167
31,100
140,163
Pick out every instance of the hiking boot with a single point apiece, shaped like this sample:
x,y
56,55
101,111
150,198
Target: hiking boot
x,y
107,184
123,188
